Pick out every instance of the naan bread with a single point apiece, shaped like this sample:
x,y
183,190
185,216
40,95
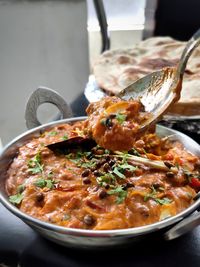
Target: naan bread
x,y
116,69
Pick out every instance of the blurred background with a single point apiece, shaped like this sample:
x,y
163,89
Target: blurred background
x,y
54,44
51,43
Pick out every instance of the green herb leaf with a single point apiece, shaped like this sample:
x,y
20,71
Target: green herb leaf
x,y
107,151
16,199
35,165
158,164
134,151
50,174
70,156
152,195
88,164
50,183
53,133
120,117
189,174
20,188
76,161
66,217
82,159
117,171
40,183
124,157
120,192
177,165
75,157
88,155
120,168
126,166
163,201
108,178
44,183
65,137
36,169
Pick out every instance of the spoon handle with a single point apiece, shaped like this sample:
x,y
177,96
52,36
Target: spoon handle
x,y
191,45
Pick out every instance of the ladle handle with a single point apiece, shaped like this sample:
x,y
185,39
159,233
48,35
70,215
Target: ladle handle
x,y
191,45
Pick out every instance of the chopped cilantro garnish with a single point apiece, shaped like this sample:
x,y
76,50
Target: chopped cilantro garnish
x,y
69,156
44,183
16,199
50,174
49,183
134,151
66,217
20,188
117,171
126,166
124,157
108,178
53,133
35,165
163,201
120,168
120,192
152,195
88,155
82,159
80,154
107,151
74,157
189,174
65,137
40,183
88,164
177,165
120,117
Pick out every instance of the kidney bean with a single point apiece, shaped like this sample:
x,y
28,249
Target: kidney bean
x,y
86,180
97,173
170,174
39,197
85,173
102,194
89,220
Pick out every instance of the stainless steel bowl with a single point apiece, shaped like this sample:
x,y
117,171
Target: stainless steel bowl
x,y
80,238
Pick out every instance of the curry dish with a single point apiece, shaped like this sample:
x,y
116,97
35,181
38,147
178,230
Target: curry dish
x,y
123,180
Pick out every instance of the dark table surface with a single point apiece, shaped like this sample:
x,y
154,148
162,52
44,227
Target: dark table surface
x,y
20,244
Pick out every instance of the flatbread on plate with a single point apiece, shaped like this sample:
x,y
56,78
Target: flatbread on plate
x,y
116,69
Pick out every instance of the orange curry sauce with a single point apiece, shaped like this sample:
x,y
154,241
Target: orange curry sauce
x,y
109,186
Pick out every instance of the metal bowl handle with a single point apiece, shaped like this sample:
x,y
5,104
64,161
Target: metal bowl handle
x,y
183,227
40,96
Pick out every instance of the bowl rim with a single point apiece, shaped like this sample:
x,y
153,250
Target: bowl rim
x,y
141,230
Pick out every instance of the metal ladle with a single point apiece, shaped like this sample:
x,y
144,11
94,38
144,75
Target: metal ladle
x,y
160,89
